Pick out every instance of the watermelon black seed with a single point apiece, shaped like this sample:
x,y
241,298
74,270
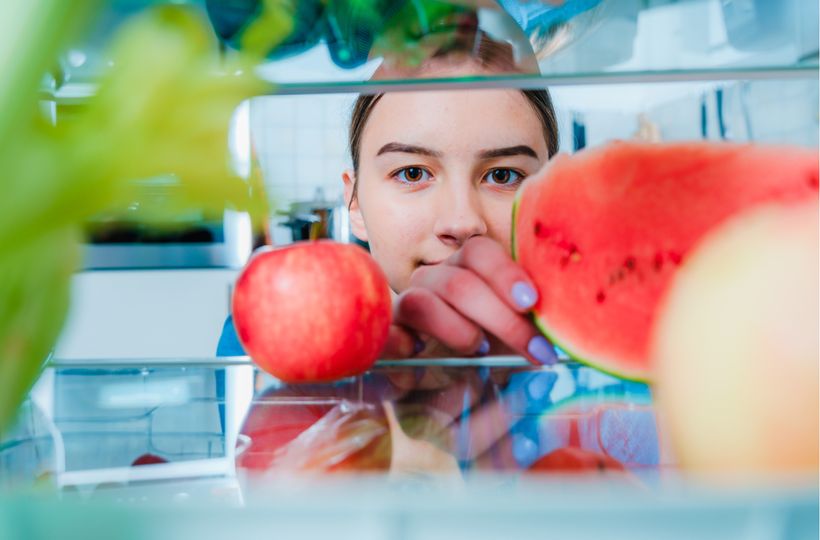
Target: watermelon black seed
x,y
630,263
541,231
616,276
600,297
657,262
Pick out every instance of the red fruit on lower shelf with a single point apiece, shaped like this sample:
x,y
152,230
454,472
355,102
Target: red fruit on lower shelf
x,y
148,459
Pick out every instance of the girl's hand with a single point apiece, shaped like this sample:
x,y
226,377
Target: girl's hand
x,y
473,303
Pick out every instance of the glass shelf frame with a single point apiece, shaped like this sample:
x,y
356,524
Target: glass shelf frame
x,y
76,94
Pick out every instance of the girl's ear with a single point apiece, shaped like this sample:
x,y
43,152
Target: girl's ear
x,y
356,220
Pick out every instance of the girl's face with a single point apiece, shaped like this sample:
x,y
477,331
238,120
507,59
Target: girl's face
x,y
437,168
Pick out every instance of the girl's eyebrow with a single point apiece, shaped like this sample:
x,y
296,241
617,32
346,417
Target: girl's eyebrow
x,y
408,149
519,150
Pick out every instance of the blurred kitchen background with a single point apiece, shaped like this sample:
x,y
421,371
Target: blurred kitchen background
x,y
735,70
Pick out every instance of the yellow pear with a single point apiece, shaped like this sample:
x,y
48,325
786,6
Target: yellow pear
x,y
735,347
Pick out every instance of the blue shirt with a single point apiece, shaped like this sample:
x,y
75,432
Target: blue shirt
x,y
229,344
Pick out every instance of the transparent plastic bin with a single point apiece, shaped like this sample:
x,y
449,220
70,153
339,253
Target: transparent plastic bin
x,y
124,422
112,423
31,453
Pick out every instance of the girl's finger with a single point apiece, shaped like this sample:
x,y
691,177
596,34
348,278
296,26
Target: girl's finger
x,y
490,261
473,299
423,311
401,343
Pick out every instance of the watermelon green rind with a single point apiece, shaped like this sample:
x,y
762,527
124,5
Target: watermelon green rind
x,y
602,366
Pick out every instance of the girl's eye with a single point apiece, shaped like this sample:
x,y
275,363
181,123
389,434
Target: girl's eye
x,y
503,177
412,175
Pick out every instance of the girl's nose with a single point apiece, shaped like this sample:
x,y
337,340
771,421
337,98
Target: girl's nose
x,y
460,216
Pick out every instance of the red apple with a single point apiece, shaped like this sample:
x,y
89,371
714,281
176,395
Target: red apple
x,y
312,311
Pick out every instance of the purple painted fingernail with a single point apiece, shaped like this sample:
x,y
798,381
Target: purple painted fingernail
x,y
524,295
418,345
541,349
484,348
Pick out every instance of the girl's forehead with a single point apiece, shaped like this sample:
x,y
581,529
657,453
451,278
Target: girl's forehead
x,y
471,117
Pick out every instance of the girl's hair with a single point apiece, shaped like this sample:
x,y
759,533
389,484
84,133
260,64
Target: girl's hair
x,y
488,55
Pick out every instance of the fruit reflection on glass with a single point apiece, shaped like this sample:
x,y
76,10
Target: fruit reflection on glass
x,y
308,429
289,431
576,460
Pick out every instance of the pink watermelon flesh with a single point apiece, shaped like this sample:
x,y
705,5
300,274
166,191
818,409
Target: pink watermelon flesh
x,y
602,232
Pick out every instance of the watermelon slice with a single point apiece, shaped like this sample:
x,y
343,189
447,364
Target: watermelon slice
x,y
602,232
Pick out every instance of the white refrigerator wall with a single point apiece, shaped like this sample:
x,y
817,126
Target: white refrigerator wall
x,y
146,314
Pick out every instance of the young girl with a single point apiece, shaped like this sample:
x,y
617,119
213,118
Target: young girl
x,y
431,191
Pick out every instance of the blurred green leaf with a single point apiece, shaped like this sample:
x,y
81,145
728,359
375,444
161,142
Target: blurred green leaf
x,y
34,288
165,109
162,110
31,33
271,27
